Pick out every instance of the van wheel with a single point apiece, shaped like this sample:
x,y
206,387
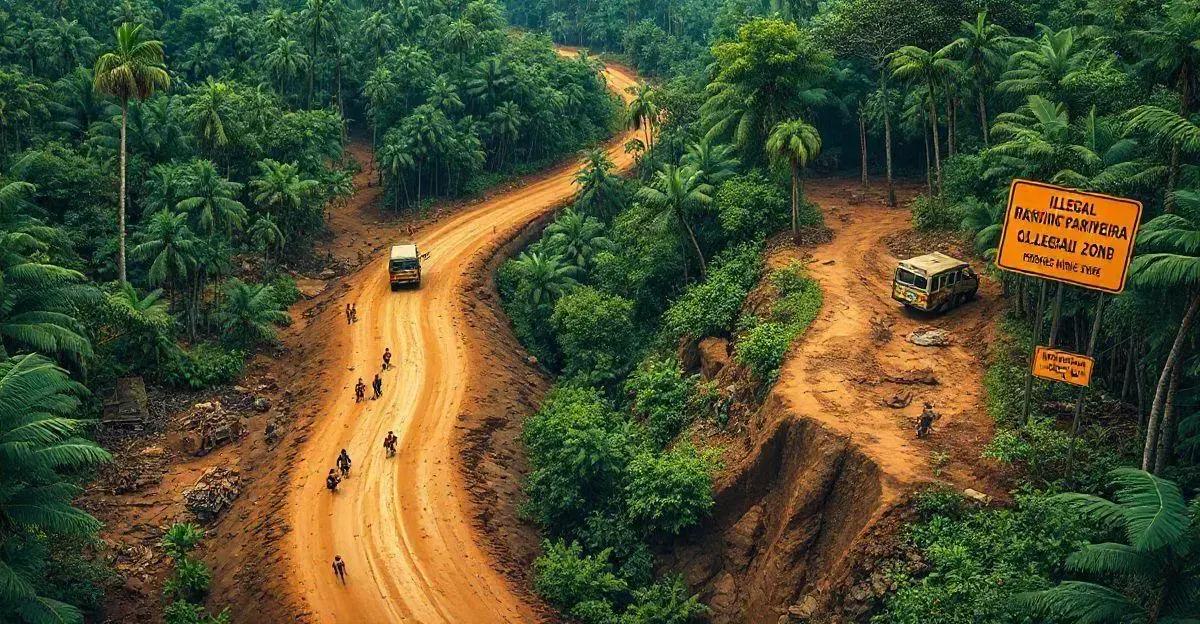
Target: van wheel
x,y
394,287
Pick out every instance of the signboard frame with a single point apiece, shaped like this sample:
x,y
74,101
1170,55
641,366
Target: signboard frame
x,y
1038,352
1008,211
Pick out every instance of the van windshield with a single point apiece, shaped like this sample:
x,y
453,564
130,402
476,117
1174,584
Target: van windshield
x,y
404,264
908,278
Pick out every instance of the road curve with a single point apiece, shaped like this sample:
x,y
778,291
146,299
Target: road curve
x,y
404,524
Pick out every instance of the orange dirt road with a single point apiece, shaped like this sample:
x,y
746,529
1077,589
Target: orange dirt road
x,y
403,524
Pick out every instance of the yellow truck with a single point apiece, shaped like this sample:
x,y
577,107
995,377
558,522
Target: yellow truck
x,y
404,266
934,282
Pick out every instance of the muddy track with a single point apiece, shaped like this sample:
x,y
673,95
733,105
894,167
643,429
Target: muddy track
x,y
408,526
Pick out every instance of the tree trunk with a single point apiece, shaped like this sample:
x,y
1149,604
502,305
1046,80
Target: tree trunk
x,y
1056,315
887,142
983,122
951,130
121,198
937,150
928,165
862,144
1160,391
795,202
1130,357
695,243
1166,440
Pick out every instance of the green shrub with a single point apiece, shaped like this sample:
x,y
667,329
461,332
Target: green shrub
x,y
612,531
182,538
665,602
565,576
670,491
204,366
184,612
285,291
709,308
930,214
660,397
750,207
189,581
595,335
963,177
764,344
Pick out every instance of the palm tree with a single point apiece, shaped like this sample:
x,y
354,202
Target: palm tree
x,y
318,18
169,246
278,23
1173,50
1169,261
397,159
380,89
1046,66
983,49
599,186
70,42
285,61
919,65
505,122
40,443
1037,141
132,70
208,113
985,220
460,38
281,190
266,235
715,161
577,238
377,31
546,277
210,200
1173,131
1151,578
642,111
490,83
443,95
250,313
676,190
798,144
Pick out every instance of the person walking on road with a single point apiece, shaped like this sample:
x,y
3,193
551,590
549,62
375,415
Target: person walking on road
x,y
925,421
377,385
343,464
389,444
353,313
360,391
339,568
349,319
387,358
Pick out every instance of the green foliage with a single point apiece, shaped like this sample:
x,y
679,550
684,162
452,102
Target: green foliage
x,y
184,612
765,342
934,213
671,491
566,577
661,393
189,580
204,366
181,539
709,308
595,334
249,314
749,207
665,602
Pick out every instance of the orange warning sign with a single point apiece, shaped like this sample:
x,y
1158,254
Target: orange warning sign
x,y
1063,366
1071,236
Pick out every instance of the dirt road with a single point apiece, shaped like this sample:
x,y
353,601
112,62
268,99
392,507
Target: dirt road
x,y
403,524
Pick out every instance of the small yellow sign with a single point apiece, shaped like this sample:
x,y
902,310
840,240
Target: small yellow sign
x,y
1062,366
1071,236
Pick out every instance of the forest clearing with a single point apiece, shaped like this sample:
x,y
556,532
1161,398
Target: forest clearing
x,y
674,312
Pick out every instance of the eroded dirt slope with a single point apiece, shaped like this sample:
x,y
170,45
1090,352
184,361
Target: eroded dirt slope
x,y
825,463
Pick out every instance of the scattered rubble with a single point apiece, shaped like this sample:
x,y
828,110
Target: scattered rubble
x,y
128,405
900,400
929,337
213,493
209,426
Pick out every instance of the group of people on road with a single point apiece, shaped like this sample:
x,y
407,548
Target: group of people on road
x,y
351,313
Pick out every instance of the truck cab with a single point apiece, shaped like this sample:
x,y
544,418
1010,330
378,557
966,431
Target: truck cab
x,y
934,282
404,266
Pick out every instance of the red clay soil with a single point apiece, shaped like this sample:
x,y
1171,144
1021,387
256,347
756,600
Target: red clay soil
x,y
825,468
431,535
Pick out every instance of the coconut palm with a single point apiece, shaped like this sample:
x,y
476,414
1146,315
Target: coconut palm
x,y
460,38
546,277
1168,260
1150,578
377,31
676,191
1037,141
381,90
209,112
443,95
285,61
715,161
505,125
169,246
1175,133
1046,66
250,313
982,48
210,200
918,65
490,82
41,441
797,144
266,235
132,70
642,111
1172,48
577,237
599,187
319,22
280,188
396,158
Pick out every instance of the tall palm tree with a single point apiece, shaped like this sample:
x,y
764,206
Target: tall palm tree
x,y
547,278
798,144
1045,66
170,247
285,61
505,124
599,186
919,65
1171,46
490,82
209,112
381,90
41,441
1149,579
715,161
983,49
210,199
281,189
1174,132
443,95
1169,261
133,69
250,313
318,17
577,237
266,235
676,191
1038,141
643,111
397,159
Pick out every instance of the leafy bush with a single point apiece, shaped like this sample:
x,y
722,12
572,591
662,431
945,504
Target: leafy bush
x,y
979,560
204,366
249,314
933,213
605,530
660,396
595,334
182,538
962,178
669,492
184,612
285,290
709,308
749,207
665,602
764,343
189,581
566,577
578,452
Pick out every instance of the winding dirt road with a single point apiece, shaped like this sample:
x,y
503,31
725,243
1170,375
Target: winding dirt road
x,y
404,524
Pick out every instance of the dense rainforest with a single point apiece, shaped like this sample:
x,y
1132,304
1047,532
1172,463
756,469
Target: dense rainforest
x,y
164,166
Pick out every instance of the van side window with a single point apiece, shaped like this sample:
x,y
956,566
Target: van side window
x,y
953,277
